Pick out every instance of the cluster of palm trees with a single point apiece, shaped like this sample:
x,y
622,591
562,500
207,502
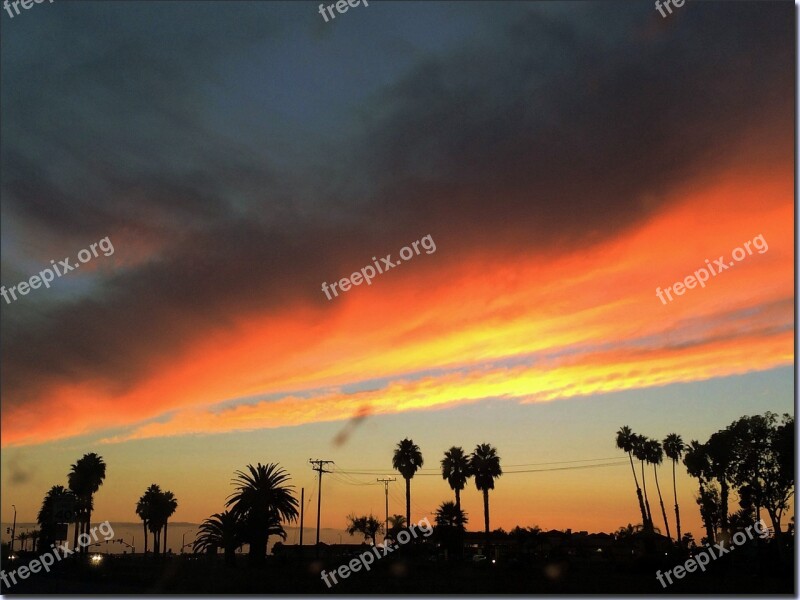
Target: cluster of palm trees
x,y
457,467
83,480
26,536
651,451
154,508
261,501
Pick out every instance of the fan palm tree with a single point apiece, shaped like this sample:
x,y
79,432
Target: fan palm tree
x,y
640,452
148,511
625,441
220,530
368,526
263,498
455,469
396,524
485,467
449,515
655,456
407,460
47,519
674,448
84,479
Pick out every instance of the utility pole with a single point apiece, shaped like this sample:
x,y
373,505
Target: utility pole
x,y
385,481
319,467
302,510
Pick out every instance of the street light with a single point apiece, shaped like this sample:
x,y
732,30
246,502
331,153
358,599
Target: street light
x,y
13,528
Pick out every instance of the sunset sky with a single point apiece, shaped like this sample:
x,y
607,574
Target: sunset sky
x,y
567,159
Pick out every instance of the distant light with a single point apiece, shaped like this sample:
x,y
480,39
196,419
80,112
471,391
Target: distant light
x,y
493,561
12,557
97,559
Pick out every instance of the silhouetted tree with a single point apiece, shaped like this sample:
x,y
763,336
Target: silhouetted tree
x,y
263,498
674,448
485,467
625,442
640,452
47,519
220,530
655,456
369,526
84,479
407,459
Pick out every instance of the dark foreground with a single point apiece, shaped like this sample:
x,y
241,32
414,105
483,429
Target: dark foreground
x,y
406,575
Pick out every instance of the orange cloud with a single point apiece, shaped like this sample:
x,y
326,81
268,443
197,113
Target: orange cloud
x,y
523,327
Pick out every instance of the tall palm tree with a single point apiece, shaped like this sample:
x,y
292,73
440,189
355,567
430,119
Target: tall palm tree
x,y
86,475
485,466
147,508
625,442
263,498
407,460
655,456
170,505
220,530
674,448
47,519
640,452
455,469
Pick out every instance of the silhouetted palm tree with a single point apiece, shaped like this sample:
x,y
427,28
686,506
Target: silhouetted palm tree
x,y
674,448
220,530
407,460
449,515
368,526
84,479
148,510
261,501
655,456
640,452
625,441
396,524
485,467
455,469
47,519
170,505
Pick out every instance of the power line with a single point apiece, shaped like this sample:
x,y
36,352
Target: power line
x,y
437,471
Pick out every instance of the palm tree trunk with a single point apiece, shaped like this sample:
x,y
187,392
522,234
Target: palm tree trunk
x,y
144,525
677,510
646,500
486,516
661,501
165,536
408,502
638,493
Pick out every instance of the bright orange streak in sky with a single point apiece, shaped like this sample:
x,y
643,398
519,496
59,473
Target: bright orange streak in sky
x,y
577,324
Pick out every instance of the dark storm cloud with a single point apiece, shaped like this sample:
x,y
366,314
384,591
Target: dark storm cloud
x,y
552,137
543,136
